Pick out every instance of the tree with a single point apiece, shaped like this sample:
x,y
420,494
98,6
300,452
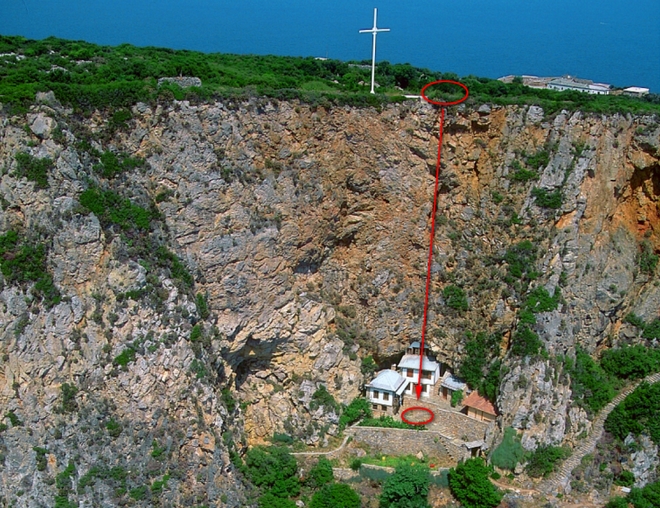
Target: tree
x,y
469,483
320,474
408,487
274,469
358,409
510,452
268,500
335,495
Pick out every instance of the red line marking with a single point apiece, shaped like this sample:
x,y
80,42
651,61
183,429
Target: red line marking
x,y
430,261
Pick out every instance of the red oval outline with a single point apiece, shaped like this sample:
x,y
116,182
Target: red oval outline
x,y
403,418
439,103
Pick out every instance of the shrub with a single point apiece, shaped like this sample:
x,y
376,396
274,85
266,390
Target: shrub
x,y
509,452
35,170
356,464
274,469
228,399
320,474
634,320
125,357
114,428
633,362
112,164
408,486
652,330
546,199
539,300
368,366
269,500
520,259
455,298
639,412
389,423
335,495
469,483
202,306
323,398
592,387
456,398
545,459
111,209
27,263
526,342
646,259
69,403
358,408
625,479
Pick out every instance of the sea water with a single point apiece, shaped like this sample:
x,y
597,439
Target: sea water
x,y
611,41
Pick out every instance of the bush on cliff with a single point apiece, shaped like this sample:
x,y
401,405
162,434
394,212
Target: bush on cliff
x,y
469,483
408,487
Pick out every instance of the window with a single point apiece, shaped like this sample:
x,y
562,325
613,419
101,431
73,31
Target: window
x,y
383,407
425,388
376,394
374,406
386,396
426,374
410,373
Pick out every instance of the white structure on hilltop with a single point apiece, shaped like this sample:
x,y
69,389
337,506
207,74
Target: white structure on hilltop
x,y
636,91
374,31
580,85
386,390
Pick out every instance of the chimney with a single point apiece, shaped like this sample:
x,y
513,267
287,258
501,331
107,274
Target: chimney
x,y
394,366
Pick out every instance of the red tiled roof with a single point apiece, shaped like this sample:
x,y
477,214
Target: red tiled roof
x,y
476,401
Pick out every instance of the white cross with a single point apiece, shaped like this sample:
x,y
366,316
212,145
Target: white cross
x,y
374,31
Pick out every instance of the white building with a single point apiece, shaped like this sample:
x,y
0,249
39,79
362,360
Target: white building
x,y
409,369
581,85
386,390
636,91
450,384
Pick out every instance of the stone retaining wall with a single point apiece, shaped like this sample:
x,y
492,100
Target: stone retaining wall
x,y
448,451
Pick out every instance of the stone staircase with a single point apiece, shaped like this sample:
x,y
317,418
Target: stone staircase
x,y
558,481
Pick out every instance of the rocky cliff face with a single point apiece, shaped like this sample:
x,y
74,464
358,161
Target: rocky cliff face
x,y
305,232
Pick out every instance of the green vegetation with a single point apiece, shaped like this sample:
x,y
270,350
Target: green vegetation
x,y
389,423
23,263
545,459
320,474
547,199
14,419
125,357
323,398
35,170
639,412
274,470
592,387
631,362
63,482
652,330
469,484
40,458
520,259
157,451
112,209
114,428
358,409
647,497
112,164
647,260
368,366
407,487
526,343
481,369
456,398
335,495
69,403
158,485
202,306
539,300
228,400
455,298
98,77
510,452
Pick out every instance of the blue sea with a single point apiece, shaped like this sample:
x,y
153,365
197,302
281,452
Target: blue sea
x,y
611,41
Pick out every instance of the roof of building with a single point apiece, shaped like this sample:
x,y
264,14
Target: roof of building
x,y
568,83
473,444
453,383
476,401
389,380
636,89
412,362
